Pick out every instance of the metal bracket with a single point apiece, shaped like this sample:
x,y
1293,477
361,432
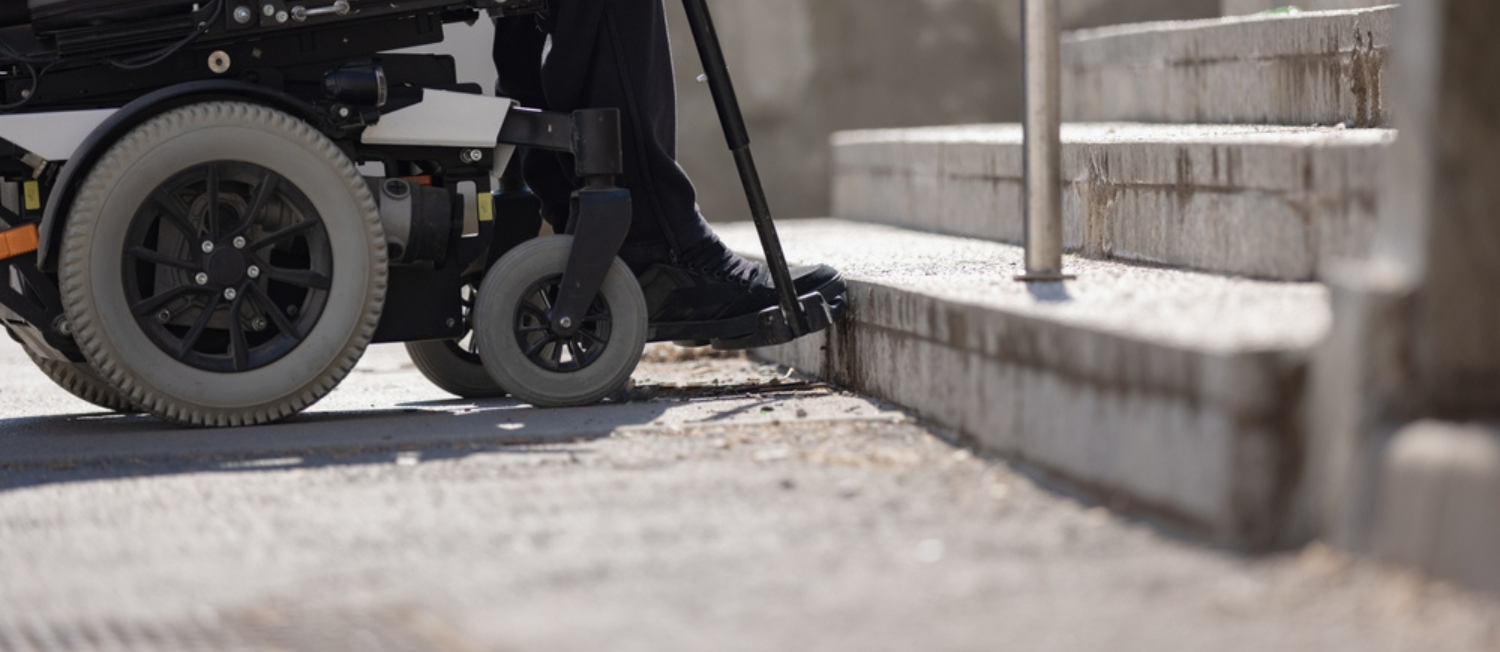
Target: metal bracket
x,y
601,218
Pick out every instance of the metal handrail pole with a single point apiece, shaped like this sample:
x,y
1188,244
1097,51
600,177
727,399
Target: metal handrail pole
x,y
1043,141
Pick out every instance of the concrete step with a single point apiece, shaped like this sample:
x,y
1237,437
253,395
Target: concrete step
x,y
1312,68
1167,392
1242,7
1265,202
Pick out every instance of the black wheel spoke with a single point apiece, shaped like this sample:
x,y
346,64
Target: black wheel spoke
x,y
591,336
158,258
535,312
263,192
527,330
536,348
557,352
286,232
280,320
146,307
191,339
237,344
174,212
577,351
211,215
302,278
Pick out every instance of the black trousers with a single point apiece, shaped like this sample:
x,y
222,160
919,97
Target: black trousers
x,y
597,54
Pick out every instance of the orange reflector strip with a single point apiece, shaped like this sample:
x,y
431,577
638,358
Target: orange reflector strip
x,y
424,180
18,241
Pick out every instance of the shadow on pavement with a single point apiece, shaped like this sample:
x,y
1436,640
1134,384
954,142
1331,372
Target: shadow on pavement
x,y
99,446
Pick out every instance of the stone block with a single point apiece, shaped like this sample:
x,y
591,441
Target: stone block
x,y
1166,392
1324,68
1439,505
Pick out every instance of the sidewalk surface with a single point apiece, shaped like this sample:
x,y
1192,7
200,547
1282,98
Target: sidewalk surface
x,y
715,511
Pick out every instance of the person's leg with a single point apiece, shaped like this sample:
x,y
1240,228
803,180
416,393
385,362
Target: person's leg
x,y
616,53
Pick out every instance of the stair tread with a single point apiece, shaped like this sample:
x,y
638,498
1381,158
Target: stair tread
x,y
1192,310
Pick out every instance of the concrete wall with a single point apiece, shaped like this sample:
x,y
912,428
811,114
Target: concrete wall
x,y
807,68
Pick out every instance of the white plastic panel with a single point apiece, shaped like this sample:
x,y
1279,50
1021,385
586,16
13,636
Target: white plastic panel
x,y
54,136
443,119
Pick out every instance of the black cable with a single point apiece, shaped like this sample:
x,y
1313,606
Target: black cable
x,y
36,82
150,60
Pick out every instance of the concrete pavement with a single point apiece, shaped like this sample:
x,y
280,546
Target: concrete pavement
x,y
793,518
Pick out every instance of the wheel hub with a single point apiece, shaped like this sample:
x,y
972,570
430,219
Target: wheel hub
x,y
227,267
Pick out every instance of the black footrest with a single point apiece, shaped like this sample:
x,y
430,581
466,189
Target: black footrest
x,y
768,327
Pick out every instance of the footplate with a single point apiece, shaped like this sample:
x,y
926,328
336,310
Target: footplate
x,y
768,327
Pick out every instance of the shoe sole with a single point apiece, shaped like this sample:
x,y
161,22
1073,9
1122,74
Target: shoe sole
x,y
823,307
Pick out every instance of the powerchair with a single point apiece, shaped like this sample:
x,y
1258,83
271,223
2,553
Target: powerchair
x,y
208,210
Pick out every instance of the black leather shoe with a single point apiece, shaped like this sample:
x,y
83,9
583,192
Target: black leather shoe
x,y
713,296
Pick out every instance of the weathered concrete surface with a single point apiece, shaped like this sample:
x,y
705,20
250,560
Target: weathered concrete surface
x,y
1241,7
1422,342
1267,202
1298,69
1168,391
727,531
1439,502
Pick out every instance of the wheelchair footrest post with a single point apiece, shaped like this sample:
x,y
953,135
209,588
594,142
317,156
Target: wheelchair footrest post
x,y
601,220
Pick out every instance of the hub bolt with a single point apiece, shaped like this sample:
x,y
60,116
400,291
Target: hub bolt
x,y
201,278
258,324
208,247
565,322
253,272
164,316
230,294
239,242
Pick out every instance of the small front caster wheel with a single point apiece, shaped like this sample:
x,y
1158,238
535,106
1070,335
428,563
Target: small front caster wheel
x,y
454,365
523,354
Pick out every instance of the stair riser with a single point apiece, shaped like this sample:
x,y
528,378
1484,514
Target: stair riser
x,y
1267,211
1305,70
1199,440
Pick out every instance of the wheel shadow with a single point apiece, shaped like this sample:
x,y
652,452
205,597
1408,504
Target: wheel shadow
x,y
89,447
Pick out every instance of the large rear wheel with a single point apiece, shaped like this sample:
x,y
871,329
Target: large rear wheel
x,y
223,264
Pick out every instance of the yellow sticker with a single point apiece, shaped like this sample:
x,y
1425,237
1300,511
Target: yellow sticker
x,y
486,207
33,196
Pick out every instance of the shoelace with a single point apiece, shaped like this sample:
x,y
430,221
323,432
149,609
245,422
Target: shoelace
x,y
716,261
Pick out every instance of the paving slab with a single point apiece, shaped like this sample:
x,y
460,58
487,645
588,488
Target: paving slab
x,y
1305,68
1168,392
1266,202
